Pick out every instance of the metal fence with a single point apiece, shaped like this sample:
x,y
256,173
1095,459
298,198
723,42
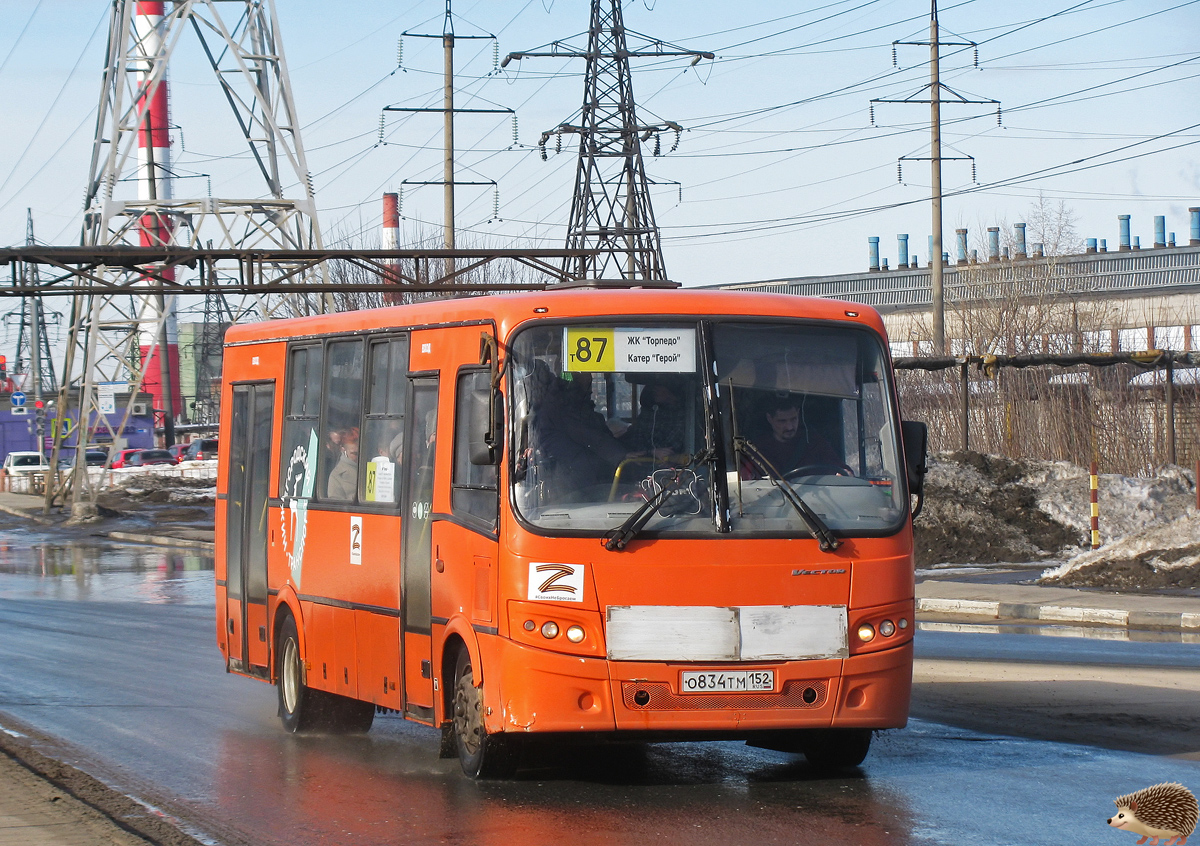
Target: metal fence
x,y
1133,412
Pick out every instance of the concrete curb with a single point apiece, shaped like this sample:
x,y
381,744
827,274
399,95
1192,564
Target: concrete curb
x,y
1059,613
18,512
162,540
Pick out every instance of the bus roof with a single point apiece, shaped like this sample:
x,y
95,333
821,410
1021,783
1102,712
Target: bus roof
x,y
509,310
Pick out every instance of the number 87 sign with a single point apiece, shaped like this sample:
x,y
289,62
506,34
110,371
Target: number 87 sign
x,y
611,350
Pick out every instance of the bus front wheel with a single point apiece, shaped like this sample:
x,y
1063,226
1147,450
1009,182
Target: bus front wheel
x,y
481,755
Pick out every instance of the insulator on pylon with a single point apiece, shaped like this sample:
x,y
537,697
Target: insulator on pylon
x,y
895,63
381,128
900,173
999,121
495,202
678,138
657,145
495,56
542,148
400,201
558,142
400,52
210,187
872,114
515,136
976,55
974,177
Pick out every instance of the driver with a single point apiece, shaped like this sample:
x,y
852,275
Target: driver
x,y
785,445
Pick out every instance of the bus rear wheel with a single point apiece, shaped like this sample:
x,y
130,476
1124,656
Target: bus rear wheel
x,y
302,709
836,749
480,754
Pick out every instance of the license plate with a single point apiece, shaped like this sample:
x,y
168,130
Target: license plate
x,y
727,681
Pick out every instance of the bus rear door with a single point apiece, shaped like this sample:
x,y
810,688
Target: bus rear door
x,y
246,527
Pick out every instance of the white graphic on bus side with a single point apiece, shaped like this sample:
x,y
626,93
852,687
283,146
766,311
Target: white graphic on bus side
x,y
298,484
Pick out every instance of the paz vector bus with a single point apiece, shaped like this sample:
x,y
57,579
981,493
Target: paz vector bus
x,y
631,514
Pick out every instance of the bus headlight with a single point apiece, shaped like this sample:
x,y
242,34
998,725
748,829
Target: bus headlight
x,y
575,634
866,633
549,629
887,628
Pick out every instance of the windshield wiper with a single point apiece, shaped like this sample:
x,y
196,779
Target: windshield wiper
x,y
815,524
619,538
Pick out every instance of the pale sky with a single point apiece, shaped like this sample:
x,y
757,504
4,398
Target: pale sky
x,y
779,171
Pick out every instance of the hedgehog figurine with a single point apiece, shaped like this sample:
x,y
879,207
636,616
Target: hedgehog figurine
x,y
1166,810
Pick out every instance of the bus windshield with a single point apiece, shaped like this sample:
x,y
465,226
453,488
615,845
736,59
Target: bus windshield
x,y
735,428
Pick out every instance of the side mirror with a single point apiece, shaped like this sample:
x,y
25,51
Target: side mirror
x,y
916,443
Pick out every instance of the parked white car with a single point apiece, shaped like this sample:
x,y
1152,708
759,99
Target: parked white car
x,y
24,463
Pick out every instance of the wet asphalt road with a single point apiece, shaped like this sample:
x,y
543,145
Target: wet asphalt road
x,y
111,649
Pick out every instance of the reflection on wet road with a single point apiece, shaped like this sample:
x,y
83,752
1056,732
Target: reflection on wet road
x,y
112,649
91,568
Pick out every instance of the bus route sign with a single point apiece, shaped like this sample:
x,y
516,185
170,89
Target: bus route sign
x,y
615,350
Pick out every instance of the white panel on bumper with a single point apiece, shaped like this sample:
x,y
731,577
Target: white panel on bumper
x,y
672,633
706,633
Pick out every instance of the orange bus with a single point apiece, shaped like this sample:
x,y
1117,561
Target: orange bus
x,y
619,514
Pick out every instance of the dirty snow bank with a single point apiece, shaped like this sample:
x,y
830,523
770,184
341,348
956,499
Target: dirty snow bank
x,y
986,509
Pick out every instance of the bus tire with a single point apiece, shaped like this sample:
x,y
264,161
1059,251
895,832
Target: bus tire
x,y
836,749
480,754
298,707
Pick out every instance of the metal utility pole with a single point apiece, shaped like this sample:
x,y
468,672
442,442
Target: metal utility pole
x,y
448,111
611,211
125,342
936,89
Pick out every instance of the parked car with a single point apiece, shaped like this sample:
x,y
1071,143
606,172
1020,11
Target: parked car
x,y
92,458
123,456
148,457
177,451
201,450
24,463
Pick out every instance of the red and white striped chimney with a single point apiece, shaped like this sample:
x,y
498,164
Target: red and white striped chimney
x,y
391,232
154,185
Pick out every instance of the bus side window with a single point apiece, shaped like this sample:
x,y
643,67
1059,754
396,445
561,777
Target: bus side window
x,y
342,420
383,426
474,486
301,439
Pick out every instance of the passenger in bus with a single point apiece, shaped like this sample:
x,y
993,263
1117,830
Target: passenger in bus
x,y
573,447
660,428
343,479
789,441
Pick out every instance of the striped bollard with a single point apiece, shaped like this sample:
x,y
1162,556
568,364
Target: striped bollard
x,y
1095,506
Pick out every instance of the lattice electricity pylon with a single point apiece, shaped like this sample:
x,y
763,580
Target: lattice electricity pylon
x,y
611,210
127,340
35,364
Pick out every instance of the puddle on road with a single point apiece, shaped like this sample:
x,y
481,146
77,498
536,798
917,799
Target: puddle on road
x,y
36,566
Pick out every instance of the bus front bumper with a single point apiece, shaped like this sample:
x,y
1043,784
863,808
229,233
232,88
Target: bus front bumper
x,y
542,691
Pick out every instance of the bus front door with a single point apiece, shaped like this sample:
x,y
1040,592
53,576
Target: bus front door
x,y
417,545
246,527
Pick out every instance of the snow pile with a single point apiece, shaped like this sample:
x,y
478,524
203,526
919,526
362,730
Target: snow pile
x,y
1161,548
177,490
1127,504
986,509
979,510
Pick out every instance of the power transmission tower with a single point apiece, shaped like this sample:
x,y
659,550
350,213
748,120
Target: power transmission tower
x,y
610,209
33,342
938,93
129,341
